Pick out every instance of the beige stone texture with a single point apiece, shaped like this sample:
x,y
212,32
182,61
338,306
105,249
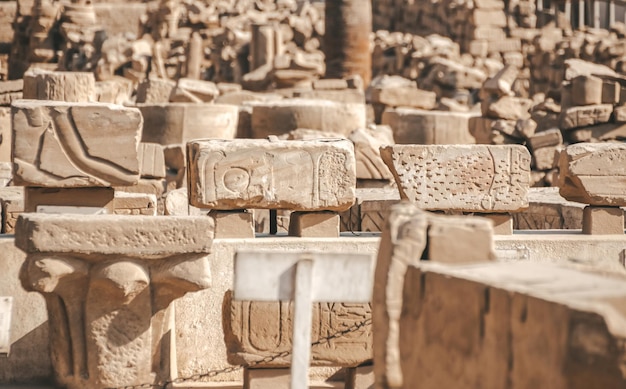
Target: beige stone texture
x,y
349,96
59,144
233,224
610,92
586,90
502,83
480,129
482,17
125,203
154,91
506,107
178,123
5,134
177,204
11,91
116,91
603,220
245,173
460,239
576,67
194,91
619,114
322,224
472,178
502,223
370,210
109,281
282,116
367,143
404,96
594,173
74,197
151,160
574,117
12,202
361,377
600,132
547,210
414,126
545,147
267,378
60,86
330,84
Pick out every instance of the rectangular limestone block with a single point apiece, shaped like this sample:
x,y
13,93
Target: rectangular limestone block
x,y
310,175
472,178
587,115
502,223
125,203
276,378
404,96
151,160
594,173
416,126
59,144
12,202
232,224
586,90
97,199
603,220
322,224
460,240
134,236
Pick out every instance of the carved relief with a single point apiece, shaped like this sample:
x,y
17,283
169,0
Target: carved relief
x,y
472,178
58,144
297,175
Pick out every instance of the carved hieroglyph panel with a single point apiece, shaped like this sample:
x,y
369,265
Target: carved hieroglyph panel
x,y
298,175
472,178
254,330
594,173
58,144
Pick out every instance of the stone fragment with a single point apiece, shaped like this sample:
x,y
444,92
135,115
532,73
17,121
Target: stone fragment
x,y
125,203
610,92
404,97
178,123
367,143
576,67
60,86
549,211
10,91
267,378
414,126
237,224
279,117
117,90
177,204
12,202
594,173
473,239
586,90
298,175
619,114
472,178
346,96
151,160
588,115
507,107
322,224
545,147
603,220
600,132
502,83
194,91
330,84
59,144
155,91
502,223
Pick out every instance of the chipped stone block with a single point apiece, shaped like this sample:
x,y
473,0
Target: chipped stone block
x,y
96,199
600,132
155,91
367,143
460,240
620,114
233,224
10,91
125,203
415,126
610,92
246,173
472,178
502,83
194,91
594,173
322,224
507,107
116,91
349,96
60,86
404,97
178,123
502,223
588,115
586,90
59,144
280,117
545,147
549,211
12,202
151,160
603,220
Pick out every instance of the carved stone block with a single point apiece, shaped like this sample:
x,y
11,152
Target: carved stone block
x,y
472,178
587,115
58,144
297,175
594,173
108,282
416,126
60,86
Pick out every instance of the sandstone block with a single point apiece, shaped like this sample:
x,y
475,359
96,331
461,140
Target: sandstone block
x,y
502,83
502,223
12,202
88,200
10,91
155,90
586,90
588,115
510,45
178,123
298,175
404,97
345,96
472,178
544,147
472,242
275,378
367,143
594,173
59,144
482,17
507,107
279,117
620,114
195,91
414,126
60,86
5,134
600,132
151,160
610,92
232,224
322,224
603,220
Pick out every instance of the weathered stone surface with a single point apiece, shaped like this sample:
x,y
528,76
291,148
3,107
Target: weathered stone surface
x,y
297,175
178,123
322,224
12,201
600,132
502,83
194,91
113,235
473,178
125,203
460,239
5,134
279,117
367,143
603,220
586,90
60,86
59,144
547,210
545,147
414,126
594,173
587,115
155,91
506,107
151,160
404,97
10,91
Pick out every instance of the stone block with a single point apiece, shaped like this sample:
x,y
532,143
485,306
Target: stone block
x,y
5,134
245,173
233,224
547,210
482,17
502,223
322,224
610,92
151,160
361,377
178,123
414,126
59,144
194,91
506,107
586,90
155,91
603,220
10,91
274,378
588,115
367,143
545,147
346,96
404,96
472,178
280,117
60,86
460,239
12,202
594,173
619,114
502,83
125,203
510,45
94,200
600,132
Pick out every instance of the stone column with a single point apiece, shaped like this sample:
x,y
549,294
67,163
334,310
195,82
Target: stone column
x,y
108,282
346,41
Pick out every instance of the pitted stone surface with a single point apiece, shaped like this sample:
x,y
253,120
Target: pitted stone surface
x,y
472,178
594,173
298,175
59,144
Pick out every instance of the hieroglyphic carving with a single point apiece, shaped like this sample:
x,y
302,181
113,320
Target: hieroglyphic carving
x,y
255,330
472,178
108,286
299,175
58,144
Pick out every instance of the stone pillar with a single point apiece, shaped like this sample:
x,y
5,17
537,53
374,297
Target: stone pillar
x,y
108,282
346,41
